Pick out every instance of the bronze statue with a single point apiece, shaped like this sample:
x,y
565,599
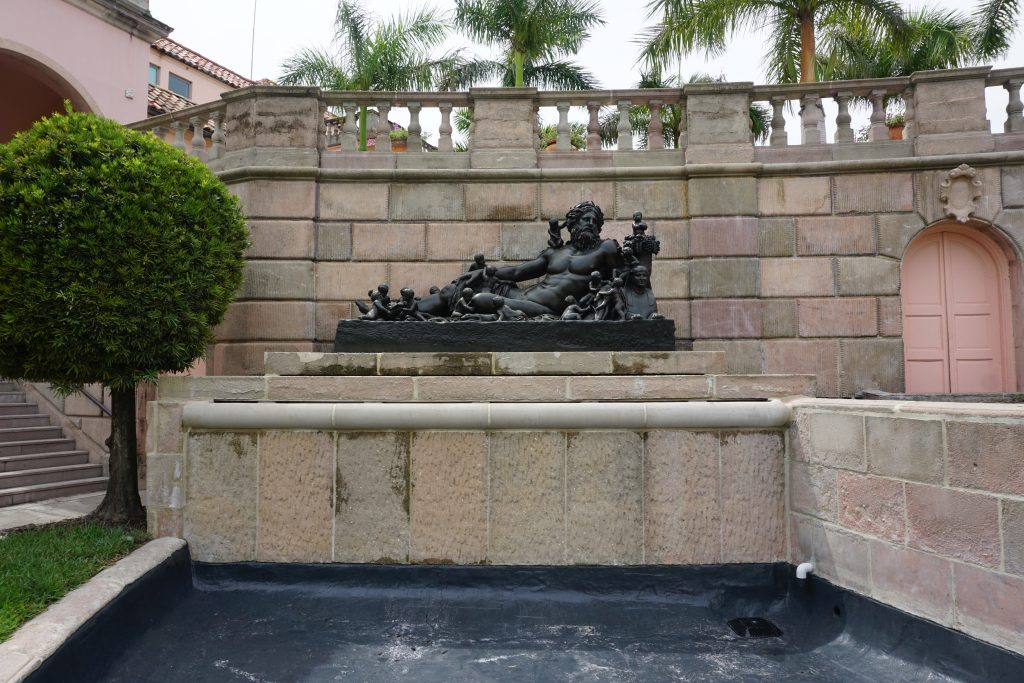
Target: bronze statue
x,y
587,277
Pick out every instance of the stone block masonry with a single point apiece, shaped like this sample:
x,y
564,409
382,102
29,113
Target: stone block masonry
x,y
919,505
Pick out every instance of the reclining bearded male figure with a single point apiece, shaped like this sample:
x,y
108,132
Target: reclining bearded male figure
x,y
566,269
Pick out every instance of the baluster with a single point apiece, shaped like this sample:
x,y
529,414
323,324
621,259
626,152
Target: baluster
x,y
415,141
656,131
910,115
382,143
810,119
879,131
1014,119
198,141
444,141
179,134
779,137
625,129
217,150
349,138
844,131
563,142
159,132
593,127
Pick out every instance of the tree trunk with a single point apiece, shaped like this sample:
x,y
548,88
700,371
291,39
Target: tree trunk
x,y
122,504
362,129
807,48
518,59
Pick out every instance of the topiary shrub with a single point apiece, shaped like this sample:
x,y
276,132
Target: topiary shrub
x,y
118,255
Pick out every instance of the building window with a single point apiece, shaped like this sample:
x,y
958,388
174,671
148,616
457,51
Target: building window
x,y
179,86
154,74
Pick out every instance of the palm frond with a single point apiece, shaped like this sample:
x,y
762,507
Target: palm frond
x,y
558,75
995,23
687,26
314,66
352,32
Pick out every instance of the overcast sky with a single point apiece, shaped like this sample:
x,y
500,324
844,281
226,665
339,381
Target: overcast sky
x,y
223,32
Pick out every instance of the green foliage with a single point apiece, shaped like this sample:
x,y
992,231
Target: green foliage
x,y
39,566
577,135
686,26
533,35
400,134
373,55
995,22
118,253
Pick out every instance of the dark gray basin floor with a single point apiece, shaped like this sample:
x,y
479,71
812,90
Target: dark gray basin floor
x,y
235,628
285,624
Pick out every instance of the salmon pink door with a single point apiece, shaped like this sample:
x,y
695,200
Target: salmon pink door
x,y
956,327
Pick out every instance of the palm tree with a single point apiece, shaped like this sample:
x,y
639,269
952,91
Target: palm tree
x,y
934,39
671,115
391,55
689,25
534,36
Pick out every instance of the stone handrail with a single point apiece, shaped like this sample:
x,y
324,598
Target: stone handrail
x,y
715,126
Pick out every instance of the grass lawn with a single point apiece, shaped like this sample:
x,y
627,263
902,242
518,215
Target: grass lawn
x,y
39,565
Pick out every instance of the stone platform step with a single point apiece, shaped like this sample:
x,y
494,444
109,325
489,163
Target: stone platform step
x,y
32,461
8,386
35,419
497,363
49,475
36,446
12,397
9,434
30,494
22,408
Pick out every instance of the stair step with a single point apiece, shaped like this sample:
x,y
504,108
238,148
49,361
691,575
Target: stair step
x,y
34,461
29,433
9,386
12,396
36,446
30,494
35,420
13,408
48,475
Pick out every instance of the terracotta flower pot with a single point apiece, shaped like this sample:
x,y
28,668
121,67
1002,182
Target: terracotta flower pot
x,y
896,131
399,145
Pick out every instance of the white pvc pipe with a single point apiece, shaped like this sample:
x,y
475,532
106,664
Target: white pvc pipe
x,y
803,569
769,414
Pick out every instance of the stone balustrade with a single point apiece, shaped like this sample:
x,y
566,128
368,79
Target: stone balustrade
x,y
713,115
179,129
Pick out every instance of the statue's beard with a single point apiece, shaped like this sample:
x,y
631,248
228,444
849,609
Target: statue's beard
x,y
584,240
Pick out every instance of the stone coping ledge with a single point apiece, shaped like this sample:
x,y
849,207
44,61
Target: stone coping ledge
x,y
674,172
910,408
39,638
769,414
306,363
487,389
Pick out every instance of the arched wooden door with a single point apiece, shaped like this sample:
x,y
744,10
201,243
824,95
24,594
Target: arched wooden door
x,y
956,314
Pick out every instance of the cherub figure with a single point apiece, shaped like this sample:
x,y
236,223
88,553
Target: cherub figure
x,y
479,263
574,311
463,307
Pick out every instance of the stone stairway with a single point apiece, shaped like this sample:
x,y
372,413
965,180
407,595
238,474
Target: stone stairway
x,y
37,462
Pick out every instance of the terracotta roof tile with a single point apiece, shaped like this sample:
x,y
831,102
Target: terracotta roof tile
x,y
163,101
197,61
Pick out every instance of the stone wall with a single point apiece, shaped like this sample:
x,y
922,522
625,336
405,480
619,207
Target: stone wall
x,y
469,497
788,258
919,505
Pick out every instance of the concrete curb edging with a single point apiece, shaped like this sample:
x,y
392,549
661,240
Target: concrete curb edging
x,y
487,416
39,638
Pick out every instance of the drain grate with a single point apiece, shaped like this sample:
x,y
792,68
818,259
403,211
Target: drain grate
x,y
754,627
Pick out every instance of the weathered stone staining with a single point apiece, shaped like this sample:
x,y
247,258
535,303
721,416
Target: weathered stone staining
x,y
590,278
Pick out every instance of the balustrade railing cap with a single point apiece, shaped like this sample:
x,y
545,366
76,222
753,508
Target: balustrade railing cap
x,y
717,88
1001,76
950,74
858,87
271,90
503,93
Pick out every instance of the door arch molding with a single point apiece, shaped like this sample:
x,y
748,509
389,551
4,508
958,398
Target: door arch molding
x,y
960,294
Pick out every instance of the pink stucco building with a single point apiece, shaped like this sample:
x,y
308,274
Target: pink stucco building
x,y
91,52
